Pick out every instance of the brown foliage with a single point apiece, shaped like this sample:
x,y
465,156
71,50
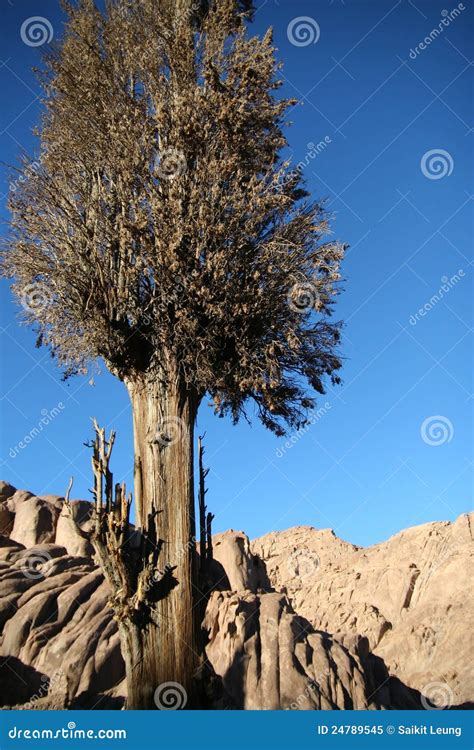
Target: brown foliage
x,y
162,227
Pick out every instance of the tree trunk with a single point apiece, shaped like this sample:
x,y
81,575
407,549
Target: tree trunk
x,y
165,649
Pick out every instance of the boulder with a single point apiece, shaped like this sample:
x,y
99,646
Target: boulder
x,y
232,551
35,522
6,490
74,526
18,497
56,500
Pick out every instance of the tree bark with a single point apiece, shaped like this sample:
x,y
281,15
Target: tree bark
x,y
166,648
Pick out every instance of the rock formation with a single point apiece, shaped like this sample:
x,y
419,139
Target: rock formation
x,y
401,605
410,596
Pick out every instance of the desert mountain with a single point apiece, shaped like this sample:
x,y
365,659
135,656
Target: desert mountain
x,y
298,620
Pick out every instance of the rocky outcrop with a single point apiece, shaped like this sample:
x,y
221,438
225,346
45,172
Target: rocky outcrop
x,y
74,526
234,561
35,522
299,619
61,644
408,596
269,658
57,634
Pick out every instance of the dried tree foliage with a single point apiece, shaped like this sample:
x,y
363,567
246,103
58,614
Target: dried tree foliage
x,y
161,230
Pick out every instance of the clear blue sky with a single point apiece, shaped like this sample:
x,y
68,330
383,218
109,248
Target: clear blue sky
x,y
363,468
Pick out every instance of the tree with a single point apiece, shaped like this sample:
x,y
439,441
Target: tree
x,y
162,231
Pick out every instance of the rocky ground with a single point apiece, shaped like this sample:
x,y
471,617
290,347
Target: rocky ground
x,y
300,619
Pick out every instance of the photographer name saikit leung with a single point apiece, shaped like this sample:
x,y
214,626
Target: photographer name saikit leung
x,y
422,729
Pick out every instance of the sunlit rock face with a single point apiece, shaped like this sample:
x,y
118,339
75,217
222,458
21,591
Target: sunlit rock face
x,y
299,619
410,596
